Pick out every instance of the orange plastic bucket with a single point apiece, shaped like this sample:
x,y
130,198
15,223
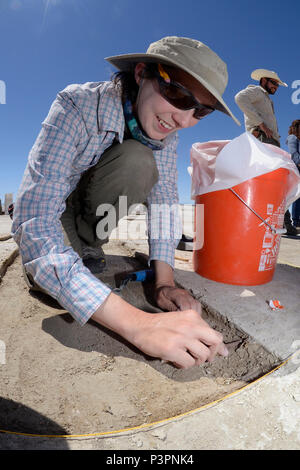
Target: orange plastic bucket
x,y
238,247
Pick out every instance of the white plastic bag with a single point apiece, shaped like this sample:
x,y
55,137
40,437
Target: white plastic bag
x,y
222,164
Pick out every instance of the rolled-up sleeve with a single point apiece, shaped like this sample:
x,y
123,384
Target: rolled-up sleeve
x,y
51,174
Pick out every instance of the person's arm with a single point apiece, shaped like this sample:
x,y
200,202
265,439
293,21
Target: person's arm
x,y
294,148
167,295
182,338
246,99
55,164
165,231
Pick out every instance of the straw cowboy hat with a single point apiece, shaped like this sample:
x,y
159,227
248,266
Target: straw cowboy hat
x,y
190,55
263,73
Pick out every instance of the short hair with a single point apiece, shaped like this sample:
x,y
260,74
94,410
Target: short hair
x,y
266,78
294,127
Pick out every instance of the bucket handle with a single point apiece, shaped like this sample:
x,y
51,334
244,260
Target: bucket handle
x,y
273,229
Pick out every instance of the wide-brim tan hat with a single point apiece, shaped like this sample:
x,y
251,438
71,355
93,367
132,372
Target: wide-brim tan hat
x,y
190,55
263,73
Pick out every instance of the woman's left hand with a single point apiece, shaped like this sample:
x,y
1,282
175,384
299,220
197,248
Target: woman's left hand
x,y
172,298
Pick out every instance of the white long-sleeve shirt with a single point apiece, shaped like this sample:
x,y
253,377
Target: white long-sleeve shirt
x,y
258,108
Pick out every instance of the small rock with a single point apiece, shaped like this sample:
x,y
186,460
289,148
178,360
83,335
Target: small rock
x,y
160,434
108,409
137,442
296,396
247,293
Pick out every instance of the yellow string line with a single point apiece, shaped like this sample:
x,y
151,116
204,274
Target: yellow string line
x,y
148,425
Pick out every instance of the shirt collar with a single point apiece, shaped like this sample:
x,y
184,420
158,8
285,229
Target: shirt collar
x,y
265,91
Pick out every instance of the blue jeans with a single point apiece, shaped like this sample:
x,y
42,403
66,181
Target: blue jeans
x,y
296,213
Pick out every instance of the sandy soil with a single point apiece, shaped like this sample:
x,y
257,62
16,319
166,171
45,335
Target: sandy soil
x,y
61,378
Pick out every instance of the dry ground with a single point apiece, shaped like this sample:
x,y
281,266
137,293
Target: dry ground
x,y
61,378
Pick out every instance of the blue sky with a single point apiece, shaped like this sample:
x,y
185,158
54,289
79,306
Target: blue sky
x,y
47,44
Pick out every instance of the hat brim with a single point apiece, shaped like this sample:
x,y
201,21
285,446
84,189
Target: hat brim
x,y
257,76
127,62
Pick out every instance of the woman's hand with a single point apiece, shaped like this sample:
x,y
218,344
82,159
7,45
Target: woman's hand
x,y
167,295
180,337
172,298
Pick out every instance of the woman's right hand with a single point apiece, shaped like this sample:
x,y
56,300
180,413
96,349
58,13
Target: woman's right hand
x,y
181,337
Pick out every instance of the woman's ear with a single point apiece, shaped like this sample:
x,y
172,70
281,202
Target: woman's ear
x,y
139,72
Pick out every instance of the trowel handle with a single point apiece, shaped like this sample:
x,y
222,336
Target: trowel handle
x,y
143,275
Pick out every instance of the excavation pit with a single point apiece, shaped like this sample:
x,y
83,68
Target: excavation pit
x,y
61,378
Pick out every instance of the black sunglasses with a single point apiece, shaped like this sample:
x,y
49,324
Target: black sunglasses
x,y
273,82
179,96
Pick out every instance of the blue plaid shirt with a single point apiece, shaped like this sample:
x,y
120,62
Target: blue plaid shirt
x,y
82,123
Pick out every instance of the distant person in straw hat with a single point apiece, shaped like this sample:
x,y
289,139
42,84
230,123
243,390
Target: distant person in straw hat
x,y
258,108
259,115
118,138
